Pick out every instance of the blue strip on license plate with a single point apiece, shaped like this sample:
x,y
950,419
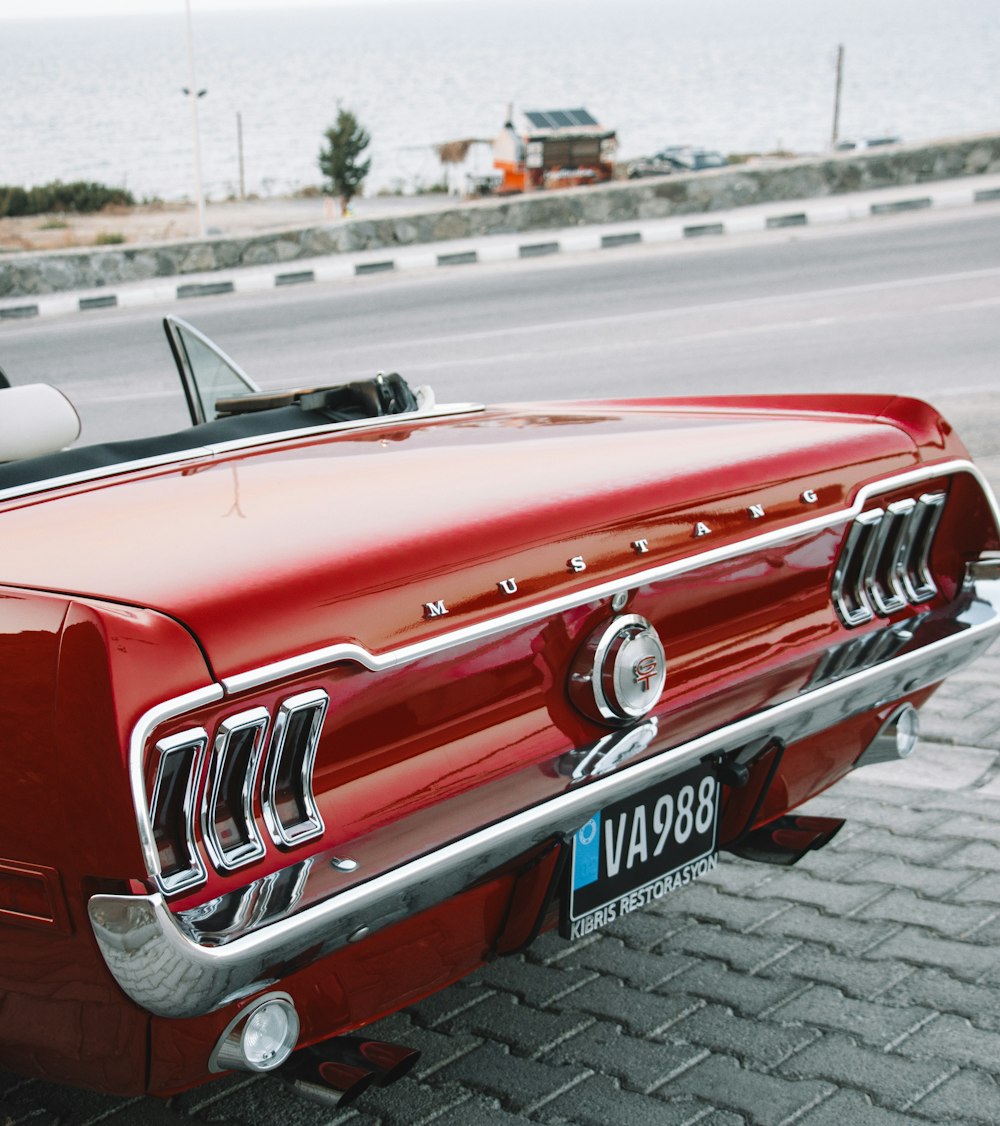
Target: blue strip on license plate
x,y
640,849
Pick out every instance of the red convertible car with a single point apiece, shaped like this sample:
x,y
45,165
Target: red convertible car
x,y
314,707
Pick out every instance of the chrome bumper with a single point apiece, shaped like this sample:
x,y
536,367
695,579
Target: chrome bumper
x,y
185,965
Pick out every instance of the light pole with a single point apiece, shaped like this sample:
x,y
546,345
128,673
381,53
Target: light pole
x,y
194,94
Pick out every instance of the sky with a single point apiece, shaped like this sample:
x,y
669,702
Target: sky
x,y
47,9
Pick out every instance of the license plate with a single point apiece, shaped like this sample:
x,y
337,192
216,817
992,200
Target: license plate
x,y
640,849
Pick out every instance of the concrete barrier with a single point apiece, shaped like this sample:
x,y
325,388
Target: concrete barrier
x,y
699,193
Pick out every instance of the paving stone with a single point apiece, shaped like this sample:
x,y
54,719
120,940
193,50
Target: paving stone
x,y
749,995
643,930
876,1024
968,1095
641,1013
738,876
982,856
752,1041
518,1082
919,947
852,976
742,952
478,1111
866,801
598,1101
144,1112
841,899
28,1098
982,889
266,1099
851,1108
735,912
949,919
409,1101
897,873
641,1065
766,1099
636,967
970,828
847,936
892,1080
955,1038
935,989
915,850
528,1029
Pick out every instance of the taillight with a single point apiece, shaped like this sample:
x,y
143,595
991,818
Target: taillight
x,y
231,834
172,809
885,561
289,805
234,782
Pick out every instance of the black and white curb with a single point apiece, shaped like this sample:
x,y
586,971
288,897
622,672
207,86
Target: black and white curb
x,y
493,249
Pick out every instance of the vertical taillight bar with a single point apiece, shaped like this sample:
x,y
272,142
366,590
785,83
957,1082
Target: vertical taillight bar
x,y
850,576
916,568
228,824
172,809
289,804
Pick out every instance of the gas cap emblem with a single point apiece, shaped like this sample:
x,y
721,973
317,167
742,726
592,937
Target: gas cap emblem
x,y
619,673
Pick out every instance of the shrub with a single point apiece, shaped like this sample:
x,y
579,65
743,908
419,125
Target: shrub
x,y
80,196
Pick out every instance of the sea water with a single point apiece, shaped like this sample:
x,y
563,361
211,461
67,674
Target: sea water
x,y
101,98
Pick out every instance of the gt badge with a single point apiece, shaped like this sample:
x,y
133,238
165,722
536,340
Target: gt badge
x,y
619,673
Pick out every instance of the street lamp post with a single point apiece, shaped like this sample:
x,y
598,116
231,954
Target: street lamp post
x,y
194,94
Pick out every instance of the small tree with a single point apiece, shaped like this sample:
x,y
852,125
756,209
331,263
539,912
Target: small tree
x,y
339,158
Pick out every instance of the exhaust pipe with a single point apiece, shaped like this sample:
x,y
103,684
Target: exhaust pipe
x,y
387,1062
787,840
322,1081
336,1072
895,740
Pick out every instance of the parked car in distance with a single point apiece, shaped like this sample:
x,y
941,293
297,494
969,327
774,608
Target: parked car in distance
x,y
676,158
316,706
866,143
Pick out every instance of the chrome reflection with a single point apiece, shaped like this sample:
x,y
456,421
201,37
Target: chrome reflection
x,y
266,900
884,564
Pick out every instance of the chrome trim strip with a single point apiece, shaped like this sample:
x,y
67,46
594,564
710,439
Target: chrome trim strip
x,y
158,962
225,857
197,453
394,658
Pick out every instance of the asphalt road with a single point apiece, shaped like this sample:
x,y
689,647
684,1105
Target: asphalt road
x,y
905,303
861,987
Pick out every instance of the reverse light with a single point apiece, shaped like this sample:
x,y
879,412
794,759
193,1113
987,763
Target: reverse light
x,y
260,1038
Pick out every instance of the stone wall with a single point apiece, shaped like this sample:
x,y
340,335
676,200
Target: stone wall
x,y
654,198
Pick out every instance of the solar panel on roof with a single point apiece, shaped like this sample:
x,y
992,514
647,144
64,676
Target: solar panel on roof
x,y
558,118
581,117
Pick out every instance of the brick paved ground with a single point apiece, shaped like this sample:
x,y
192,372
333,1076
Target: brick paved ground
x,y
861,988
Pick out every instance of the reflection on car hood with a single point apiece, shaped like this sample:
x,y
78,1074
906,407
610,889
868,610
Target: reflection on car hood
x,y
369,535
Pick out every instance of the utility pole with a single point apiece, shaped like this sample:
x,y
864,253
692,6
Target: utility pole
x,y
194,94
836,97
239,146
